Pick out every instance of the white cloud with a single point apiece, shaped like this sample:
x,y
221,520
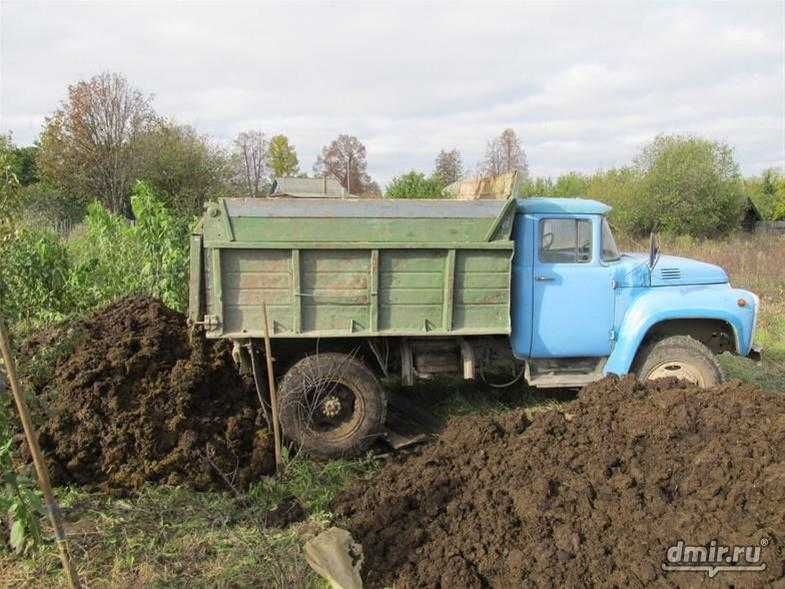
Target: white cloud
x,y
584,84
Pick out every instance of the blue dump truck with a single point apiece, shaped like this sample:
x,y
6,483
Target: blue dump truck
x,y
504,291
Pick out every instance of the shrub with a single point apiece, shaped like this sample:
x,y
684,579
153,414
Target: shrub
x,y
113,257
689,185
536,187
34,268
163,239
44,279
414,185
42,205
9,180
620,188
572,184
779,202
763,191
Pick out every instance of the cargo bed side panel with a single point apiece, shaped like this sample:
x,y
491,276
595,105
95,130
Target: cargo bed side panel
x,y
251,277
322,292
411,290
335,291
482,291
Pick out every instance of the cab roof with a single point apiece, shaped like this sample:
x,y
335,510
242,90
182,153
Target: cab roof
x,y
574,206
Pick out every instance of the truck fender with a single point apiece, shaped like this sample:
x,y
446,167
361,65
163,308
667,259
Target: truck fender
x,y
663,304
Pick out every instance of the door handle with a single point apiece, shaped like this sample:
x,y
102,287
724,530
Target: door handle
x,y
544,278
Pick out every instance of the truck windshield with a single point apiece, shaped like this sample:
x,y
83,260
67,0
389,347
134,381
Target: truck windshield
x,y
610,253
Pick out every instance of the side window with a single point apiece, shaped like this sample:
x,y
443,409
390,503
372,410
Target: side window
x,y
565,241
610,253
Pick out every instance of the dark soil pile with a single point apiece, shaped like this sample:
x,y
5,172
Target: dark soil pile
x,y
591,495
135,402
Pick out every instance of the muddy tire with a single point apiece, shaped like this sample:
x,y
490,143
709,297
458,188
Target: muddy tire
x,y
679,356
332,405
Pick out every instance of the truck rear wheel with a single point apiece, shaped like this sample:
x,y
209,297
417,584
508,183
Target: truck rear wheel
x,y
679,356
332,405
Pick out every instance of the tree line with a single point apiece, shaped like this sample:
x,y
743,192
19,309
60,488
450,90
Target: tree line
x,y
106,135
676,183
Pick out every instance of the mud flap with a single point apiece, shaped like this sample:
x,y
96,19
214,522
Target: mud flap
x,y
408,423
397,441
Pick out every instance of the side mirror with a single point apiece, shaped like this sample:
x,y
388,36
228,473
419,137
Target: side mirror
x,y
654,248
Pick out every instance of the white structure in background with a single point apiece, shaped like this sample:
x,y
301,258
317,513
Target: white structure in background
x,y
492,187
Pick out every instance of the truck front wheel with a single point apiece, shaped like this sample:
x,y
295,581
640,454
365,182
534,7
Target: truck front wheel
x,y
332,405
679,356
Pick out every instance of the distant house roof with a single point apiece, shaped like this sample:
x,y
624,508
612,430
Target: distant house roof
x,y
325,187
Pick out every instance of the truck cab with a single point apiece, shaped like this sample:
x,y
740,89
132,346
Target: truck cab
x,y
582,309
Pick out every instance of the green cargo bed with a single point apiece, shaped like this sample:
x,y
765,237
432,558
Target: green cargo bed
x,y
347,267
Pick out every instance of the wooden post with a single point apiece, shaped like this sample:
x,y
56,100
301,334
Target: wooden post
x,y
273,395
52,508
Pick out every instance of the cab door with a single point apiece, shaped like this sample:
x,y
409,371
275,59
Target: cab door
x,y
572,302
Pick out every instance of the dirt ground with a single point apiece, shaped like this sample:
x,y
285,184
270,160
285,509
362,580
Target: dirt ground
x,y
590,495
135,402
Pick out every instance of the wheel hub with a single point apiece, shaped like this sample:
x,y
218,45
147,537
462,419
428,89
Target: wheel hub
x,y
678,370
331,406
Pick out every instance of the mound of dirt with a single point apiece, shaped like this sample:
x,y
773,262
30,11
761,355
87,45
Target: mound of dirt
x,y
136,402
590,495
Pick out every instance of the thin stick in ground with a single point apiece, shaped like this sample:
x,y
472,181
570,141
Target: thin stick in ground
x,y
52,508
273,393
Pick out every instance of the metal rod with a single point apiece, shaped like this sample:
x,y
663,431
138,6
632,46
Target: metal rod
x,y
273,394
52,508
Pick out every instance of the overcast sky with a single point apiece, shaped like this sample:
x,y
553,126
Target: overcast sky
x,y
583,84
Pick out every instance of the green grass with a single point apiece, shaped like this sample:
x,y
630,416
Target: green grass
x,y
175,537
771,332
769,374
314,484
